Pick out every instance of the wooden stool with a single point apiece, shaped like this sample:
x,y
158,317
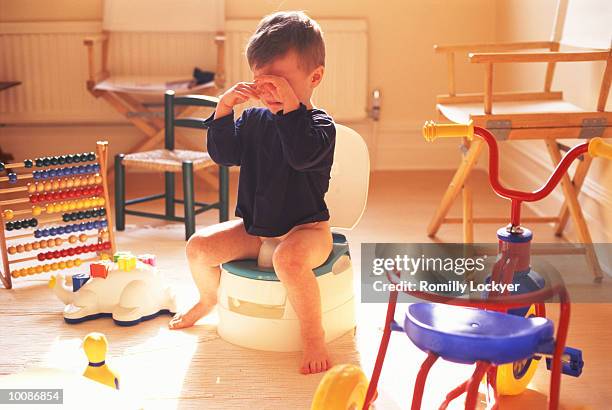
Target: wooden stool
x,y
171,161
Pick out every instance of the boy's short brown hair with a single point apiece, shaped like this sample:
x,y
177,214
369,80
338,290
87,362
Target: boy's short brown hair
x,y
283,31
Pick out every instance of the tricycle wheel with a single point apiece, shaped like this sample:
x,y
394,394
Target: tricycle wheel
x,y
513,378
343,387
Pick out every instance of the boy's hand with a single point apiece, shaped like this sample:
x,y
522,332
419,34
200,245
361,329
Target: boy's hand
x,y
237,94
280,89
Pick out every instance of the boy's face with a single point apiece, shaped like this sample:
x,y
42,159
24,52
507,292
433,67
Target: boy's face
x,y
288,67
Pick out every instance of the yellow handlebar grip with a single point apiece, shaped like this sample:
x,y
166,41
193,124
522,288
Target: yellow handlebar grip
x,y
599,148
432,131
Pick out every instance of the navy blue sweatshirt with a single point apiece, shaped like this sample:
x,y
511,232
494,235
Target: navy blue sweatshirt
x,y
285,162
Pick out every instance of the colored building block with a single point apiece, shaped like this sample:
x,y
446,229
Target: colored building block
x,y
79,280
119,254
126,262
148,258
99,269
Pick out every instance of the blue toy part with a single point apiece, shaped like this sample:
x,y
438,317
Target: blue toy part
x,y
466,335
571,361
247,268
524,236
79,280
119,322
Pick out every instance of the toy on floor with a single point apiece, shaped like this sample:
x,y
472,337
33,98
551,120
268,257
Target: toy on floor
x,y
128,288
58,218
254,310
95,346
504,335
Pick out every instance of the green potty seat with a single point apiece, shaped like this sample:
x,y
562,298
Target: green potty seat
x,y
247,268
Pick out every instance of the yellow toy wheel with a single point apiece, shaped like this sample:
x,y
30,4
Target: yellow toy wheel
x,y
513,378
343,387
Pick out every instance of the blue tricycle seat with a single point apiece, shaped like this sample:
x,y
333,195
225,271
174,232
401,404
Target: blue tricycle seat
x,y
466,335
247,268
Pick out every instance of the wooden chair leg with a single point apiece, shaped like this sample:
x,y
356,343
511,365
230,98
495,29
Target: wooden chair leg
x,y
575,210
169,192
223,194
468,222
467,163
119,193
579,176
188,198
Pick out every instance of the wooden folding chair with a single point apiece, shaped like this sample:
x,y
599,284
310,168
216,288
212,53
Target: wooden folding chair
x,y
585,27
135,95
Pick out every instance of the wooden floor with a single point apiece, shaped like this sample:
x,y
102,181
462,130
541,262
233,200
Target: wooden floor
x,y
196,369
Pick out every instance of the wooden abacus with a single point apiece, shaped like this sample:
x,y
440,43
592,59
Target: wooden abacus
x,y
64,189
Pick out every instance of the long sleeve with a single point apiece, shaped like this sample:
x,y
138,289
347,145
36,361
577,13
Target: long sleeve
x,y
224,143
307,138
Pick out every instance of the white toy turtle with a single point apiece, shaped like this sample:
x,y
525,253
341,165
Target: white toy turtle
x,y
128,290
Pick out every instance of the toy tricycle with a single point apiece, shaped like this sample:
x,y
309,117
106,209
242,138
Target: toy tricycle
x,y
504,334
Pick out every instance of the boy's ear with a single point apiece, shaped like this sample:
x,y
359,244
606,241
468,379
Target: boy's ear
x,y
317,76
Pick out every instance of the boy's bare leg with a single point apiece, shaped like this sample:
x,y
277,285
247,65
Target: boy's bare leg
x,y
206,250
294,260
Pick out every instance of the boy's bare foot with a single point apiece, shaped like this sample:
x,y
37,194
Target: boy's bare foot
x,y
315,358
187,319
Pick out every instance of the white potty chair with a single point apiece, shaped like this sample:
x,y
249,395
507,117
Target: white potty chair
x,y
253,308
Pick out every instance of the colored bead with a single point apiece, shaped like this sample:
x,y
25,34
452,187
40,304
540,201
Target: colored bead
x,y
36,210
84,157
61,159
55,184
39,187
2,166
91,156
9,226
54,266
28,163
8,214
12,250
43,244
77,262
49,209
36,175
98,179
48,186
16,225
19,248
62,265
38,162
33,222
54,160
69,159
31,270
46,268
37,233
28,247
72,238
46,161
69,263
50,243
39,269
35,245
31,188
12,177
41,257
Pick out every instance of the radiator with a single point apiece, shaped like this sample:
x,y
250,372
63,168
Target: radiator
x,y
50,60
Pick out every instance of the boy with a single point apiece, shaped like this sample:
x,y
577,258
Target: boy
x,y
285,153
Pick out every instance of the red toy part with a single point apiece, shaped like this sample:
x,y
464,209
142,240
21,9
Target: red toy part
x,y
99,270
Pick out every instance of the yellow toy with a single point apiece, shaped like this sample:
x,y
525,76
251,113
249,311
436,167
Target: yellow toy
x,y
95,346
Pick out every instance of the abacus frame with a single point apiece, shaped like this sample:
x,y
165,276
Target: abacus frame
x,y
5,273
